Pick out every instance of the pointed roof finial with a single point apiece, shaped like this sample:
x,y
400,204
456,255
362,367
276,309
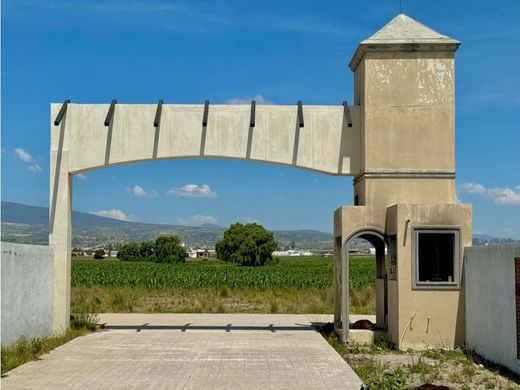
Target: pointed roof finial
x,y
403,33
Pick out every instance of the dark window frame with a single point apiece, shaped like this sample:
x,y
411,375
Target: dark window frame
x,y
428,285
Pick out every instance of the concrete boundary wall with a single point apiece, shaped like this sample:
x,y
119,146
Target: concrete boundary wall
x,y
27,277
491,307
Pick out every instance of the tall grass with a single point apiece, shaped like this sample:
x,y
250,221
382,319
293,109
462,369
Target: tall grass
x,y
290,285
217,300
25,350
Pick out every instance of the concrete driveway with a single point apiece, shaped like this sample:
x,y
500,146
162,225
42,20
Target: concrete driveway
x,y
192,351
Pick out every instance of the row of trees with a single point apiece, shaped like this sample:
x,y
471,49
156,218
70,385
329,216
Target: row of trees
x,y
165,249
248,245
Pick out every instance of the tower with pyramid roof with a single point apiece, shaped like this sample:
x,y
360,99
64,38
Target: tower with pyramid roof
x,y
405,202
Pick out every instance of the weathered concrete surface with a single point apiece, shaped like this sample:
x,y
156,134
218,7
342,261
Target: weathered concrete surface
x,y
325,143
403,34
192,351
26,291
490,303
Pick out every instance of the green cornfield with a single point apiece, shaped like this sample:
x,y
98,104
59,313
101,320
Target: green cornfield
x,y
313,272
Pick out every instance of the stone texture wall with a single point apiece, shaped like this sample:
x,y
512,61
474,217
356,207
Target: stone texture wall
x,y
492,303
27,277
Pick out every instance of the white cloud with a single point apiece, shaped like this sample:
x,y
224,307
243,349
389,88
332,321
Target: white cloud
x,y
114,213
251,220
82,176
197,220
259,100
506,196
35,168
139,191
472,188
23,155
194,191
500,195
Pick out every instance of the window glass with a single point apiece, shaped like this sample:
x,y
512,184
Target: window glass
x,y
436,257
436,262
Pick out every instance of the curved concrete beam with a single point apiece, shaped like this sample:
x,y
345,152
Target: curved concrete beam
x,y
325,144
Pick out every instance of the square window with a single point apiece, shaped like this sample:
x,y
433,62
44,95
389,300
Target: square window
x,y
436,257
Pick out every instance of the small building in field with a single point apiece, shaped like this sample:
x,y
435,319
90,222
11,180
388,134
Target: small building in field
x,y
201,253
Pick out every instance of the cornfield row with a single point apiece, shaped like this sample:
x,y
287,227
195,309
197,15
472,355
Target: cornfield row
x,y
215,275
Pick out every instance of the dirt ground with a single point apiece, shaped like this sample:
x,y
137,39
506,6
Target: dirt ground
x,y
382,367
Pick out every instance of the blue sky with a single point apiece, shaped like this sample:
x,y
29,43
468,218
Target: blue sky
x,y
184,52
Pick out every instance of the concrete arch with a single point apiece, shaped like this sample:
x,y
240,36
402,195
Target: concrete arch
x,y
377,238
86,139
324,144
368,233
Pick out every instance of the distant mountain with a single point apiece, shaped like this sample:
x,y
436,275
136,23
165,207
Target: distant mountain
x,y
36,215
486,239
211,226
29,224
25,214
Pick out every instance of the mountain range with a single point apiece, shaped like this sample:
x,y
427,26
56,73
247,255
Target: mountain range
x,y
29,225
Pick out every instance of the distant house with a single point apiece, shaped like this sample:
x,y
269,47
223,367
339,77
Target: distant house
x,y
290,252
201,253
372,251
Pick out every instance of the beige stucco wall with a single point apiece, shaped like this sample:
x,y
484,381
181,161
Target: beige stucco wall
x,y
407,102
438,313
393,310
349,220
407,131
381,192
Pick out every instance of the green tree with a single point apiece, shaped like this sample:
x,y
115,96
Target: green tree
x,y
169,250
146,250
99,254
248,244
129,252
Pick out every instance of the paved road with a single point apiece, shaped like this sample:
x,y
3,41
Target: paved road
x,y
192,351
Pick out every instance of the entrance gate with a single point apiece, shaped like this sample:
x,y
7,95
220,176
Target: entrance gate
x,y
396,140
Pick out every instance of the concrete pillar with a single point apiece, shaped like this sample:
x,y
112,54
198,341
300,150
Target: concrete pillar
x,y
380,284
337,282
344,293
60,210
